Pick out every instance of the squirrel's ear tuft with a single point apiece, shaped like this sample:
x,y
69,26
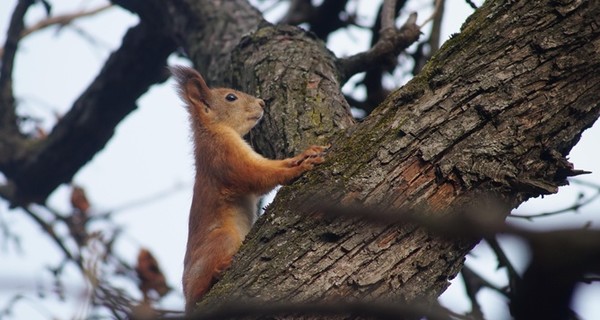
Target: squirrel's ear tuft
x,y
191,87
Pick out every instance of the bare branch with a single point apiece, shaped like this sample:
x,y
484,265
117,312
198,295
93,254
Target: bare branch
x,y
473,283
436,11
142,201
576,206
388,15
63,20
434,38
585,183
49,230
372,81
471,4
421,56
7,101
390,44
87,127
503,261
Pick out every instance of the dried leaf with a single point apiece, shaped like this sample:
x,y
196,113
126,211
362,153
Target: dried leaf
x,y
150,275
79,199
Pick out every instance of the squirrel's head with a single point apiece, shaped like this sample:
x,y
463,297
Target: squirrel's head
x,y
218,106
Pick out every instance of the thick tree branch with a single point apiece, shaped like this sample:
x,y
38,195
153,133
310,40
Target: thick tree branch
x,y
90,123
214,59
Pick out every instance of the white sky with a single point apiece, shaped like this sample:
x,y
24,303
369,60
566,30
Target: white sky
x,y
151,154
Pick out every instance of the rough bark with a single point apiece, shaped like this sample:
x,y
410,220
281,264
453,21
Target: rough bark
x,y
495,113
293,79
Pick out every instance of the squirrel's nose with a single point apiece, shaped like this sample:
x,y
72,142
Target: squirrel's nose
x,y
261,103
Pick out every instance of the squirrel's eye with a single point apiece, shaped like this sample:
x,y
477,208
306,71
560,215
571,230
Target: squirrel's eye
x,y
231,97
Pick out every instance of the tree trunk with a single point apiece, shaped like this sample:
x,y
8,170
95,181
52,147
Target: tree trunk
x,y
494,113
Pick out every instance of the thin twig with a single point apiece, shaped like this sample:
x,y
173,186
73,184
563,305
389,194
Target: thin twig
x,y
473,283
63,20
115,300
576,206
503,261
591,279
484,282
436,10
471,4
60,20
142,201
49,229
585,183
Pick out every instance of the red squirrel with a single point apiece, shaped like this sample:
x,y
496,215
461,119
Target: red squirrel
x,y
230,177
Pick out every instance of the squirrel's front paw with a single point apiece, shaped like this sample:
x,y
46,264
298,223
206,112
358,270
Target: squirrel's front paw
x,y
309,163
315,151
313,154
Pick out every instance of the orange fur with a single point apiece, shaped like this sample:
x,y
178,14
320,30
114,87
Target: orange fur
x,y
230,177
